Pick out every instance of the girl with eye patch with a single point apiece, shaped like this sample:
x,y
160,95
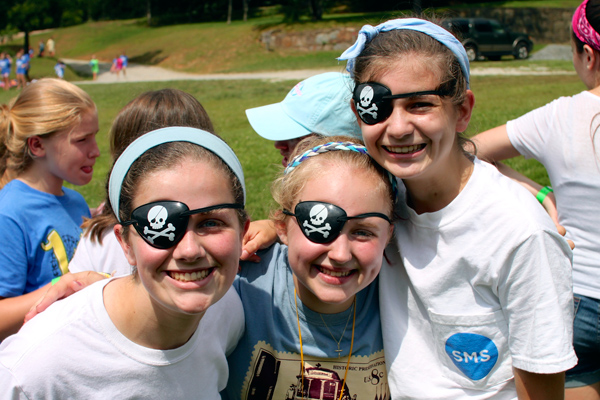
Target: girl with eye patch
x,y
164,331
311,305
476,298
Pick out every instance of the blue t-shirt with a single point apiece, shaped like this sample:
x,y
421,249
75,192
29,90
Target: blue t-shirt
x,y
267,358
21,65
4,66
39,234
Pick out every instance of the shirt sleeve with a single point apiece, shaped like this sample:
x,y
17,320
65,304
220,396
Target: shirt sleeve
x,y
530,133
535,289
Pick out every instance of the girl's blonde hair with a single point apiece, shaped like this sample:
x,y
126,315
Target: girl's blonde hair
x,y
43,108
287,188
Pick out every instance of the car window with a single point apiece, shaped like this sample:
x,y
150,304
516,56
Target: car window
x,y
496,27
483,26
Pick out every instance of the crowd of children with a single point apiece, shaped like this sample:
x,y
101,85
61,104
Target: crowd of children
x,y
405,268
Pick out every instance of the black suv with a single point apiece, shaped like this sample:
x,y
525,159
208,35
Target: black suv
x,y
488,38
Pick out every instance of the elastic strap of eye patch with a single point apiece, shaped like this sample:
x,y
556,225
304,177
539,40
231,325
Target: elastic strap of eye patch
x,y
236,206
441,93
367,215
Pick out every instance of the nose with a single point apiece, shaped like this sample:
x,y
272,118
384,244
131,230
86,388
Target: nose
x,y
281,144
189,248
399,123
94,150
340,250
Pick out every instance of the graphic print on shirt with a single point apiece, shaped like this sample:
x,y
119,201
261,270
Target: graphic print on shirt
x,y
277,375
62,251
474,355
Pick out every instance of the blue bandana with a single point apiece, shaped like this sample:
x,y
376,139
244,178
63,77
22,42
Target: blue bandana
x,y
368,33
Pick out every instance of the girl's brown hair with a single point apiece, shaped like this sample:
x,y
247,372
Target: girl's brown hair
x,y
147,112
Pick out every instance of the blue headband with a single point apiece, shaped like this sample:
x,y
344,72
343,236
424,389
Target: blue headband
x,y
334,146
167,135
368,33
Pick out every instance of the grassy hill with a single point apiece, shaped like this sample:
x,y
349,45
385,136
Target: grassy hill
x,y
217,47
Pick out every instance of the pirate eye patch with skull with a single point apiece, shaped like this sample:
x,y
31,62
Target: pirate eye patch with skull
x,y
162,224
373,101
323,222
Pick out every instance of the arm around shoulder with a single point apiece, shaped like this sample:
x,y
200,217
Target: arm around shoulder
x,y
494,145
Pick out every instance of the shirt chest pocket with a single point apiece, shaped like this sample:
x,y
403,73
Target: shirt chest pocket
x,y
473,349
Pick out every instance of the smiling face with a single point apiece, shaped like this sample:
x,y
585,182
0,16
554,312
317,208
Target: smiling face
x,y
328,275
70,155
195,273
419,138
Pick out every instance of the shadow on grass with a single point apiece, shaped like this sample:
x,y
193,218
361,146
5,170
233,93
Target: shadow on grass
x,y
148,58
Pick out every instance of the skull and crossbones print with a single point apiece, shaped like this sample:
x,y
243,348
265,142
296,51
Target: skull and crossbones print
x,y
364,106
318,215
157,216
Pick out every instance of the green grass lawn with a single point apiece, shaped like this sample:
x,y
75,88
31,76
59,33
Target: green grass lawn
x,y
498,99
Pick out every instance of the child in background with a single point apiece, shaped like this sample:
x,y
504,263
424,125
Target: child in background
x,y
124,61
477,300
5,64
311,305
563,136
47,136
94,65
164,331
20,69
59,68
316,106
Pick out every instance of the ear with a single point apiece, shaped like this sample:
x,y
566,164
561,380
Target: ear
x,y
124,242
281,228
353,107
464,112
36,146
591,60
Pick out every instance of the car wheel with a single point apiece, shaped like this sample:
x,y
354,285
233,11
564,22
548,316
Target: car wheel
x,y
471,52
521,51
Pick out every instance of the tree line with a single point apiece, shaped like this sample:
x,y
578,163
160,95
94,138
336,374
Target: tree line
x,y
28,15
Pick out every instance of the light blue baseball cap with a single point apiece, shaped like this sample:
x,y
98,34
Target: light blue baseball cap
x,y
319,104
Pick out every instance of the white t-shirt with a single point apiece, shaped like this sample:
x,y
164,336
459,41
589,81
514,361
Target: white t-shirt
x,y
107,257
486,285
73,350
559,135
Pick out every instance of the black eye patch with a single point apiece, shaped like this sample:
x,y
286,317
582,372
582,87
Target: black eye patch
x,y
323,222
373,101
162,224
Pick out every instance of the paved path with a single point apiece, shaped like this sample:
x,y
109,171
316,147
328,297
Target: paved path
x,y
144,73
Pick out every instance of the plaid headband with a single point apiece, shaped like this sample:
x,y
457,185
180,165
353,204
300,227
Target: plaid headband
x,y
582,28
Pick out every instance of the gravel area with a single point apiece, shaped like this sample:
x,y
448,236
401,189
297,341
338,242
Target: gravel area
x,y
143,73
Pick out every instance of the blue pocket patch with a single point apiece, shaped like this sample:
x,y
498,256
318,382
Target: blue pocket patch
x,y
475,355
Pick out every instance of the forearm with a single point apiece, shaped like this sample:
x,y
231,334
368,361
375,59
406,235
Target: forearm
x,y
13,310
532,386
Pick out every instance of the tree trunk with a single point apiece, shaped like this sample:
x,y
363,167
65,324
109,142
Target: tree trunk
x,y
148,12
229,10
245,5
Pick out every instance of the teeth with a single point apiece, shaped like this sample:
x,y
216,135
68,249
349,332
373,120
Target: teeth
x,y
403,149
189,277
335,274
